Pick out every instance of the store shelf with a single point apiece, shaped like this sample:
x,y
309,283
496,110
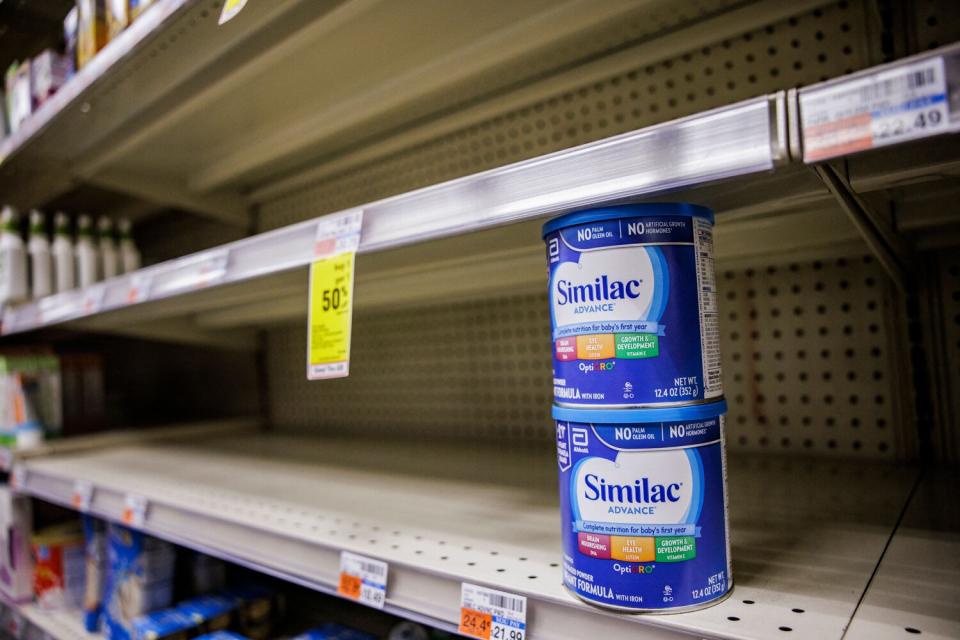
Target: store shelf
x,y
740,140
11,456
57,625
916,589
806,535
173,111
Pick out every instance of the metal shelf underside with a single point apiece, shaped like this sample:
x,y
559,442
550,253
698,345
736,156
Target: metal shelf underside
x,y
806,535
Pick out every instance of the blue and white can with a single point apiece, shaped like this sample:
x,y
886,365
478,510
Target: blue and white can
x,y
633,306
643,502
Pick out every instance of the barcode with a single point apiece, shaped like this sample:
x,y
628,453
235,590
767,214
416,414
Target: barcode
x,y
891,86
506,602
372,568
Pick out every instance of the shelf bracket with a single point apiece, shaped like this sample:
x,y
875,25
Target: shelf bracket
x,y
881,238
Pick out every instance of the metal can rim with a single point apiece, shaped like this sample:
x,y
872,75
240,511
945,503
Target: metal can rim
x,y
624,416
614,212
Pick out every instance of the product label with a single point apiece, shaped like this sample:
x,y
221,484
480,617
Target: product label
x,y
363,579
331,296
634,312
491,614
644,512
904,103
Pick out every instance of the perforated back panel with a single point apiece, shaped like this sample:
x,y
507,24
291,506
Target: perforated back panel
x,y
809,355
944,353
936,23
807,48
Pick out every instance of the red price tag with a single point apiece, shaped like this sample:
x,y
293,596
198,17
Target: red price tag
x,y
475,624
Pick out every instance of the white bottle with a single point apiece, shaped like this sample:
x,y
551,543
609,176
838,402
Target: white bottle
x,y
86,250
13,259
109,260
64,266
41,268
129,255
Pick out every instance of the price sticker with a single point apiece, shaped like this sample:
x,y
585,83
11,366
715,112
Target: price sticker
x,y
904,103
330,304
230,10
18,477
363,579
189,273
82,496
93,298
492,615
134,511
140,286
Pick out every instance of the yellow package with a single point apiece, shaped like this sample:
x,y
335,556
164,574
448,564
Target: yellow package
x,y
91,30
117,17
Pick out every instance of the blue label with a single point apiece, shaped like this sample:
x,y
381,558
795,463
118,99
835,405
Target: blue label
x,y
625,312
643,512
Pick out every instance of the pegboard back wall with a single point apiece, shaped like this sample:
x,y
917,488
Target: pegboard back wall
x,y
810,367
944,353
835,39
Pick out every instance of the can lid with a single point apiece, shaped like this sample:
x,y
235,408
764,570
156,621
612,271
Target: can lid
x,y
628,211
626,416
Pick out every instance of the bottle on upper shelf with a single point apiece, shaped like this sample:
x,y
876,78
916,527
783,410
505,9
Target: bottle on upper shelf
x,y
13,258
64,265
38,246
109,266
129,254
86,252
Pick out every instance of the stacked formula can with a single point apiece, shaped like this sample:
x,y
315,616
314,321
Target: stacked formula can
x,y
639,406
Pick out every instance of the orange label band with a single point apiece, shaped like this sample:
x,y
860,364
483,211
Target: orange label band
x,y
475,624
349,586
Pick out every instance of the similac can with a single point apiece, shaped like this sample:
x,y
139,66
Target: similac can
x,y
633,306
643,502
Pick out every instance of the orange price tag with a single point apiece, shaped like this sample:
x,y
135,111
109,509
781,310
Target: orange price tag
x,y
134,512
349,586
475,624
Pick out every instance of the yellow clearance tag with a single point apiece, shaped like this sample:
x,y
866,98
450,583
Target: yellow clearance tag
x,y
230,9
331,296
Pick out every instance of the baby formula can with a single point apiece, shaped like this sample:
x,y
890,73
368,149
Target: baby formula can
x,y
633,306
643,502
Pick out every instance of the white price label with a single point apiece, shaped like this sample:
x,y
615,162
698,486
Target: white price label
x,y
882,108
140,286
18,477
60,307
492,615
93,297
363,579
82,496
192,272
134,511
6,458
